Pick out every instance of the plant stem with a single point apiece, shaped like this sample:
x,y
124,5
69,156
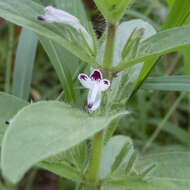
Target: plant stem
x,y
9,57
109,49
95,160
98,140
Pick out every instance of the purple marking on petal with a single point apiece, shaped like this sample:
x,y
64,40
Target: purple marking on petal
x,y
90,106
41,18
84,77
106,82
96,75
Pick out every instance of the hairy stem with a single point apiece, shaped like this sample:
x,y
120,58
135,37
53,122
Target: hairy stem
x,y
92,182
109,49
95,160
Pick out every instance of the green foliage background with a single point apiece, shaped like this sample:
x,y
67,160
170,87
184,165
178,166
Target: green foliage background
x,y
37,65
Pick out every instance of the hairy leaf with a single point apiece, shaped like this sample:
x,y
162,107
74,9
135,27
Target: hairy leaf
x,y
45,129
9,106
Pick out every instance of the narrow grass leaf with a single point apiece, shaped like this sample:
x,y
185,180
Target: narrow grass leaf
x,y
61,59
25,56
178,14
175,131
149,64
168,83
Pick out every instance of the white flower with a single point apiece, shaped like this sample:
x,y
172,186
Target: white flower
x,y
96,85
59,16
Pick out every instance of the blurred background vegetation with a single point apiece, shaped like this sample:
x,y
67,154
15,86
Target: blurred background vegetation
x,y
159,119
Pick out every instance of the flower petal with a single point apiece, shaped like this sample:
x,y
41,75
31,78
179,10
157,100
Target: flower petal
x,y
59,16
104,84
56,15
94,101
96,75
85,80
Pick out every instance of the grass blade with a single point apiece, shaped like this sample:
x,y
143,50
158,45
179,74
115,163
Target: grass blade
x,y
24,63
168,83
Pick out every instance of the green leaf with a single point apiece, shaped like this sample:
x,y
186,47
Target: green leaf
x,y
124,32
2,187
147,170
44,129
168,83
75,8
112,10
170,174
177,132
131,162
70,164
25,14
146,69
62,169
24,63
170,2
131,46
125,149
110,130
178,14
113,157
62,60
154,184
176,168
9,106
124,83
159,44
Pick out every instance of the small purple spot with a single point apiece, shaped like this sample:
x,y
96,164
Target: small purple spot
x,y
90,106
41,18
83,77
96,75
106,82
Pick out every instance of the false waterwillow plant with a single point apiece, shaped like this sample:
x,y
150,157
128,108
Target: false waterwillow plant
x,y
56,136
